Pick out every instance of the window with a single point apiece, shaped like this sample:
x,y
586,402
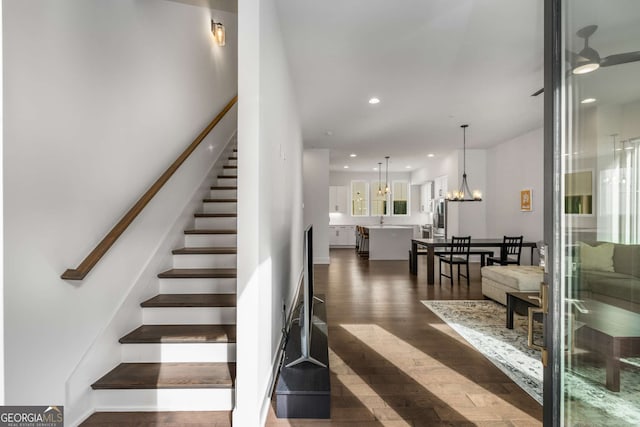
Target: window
x,y
379,202
400,197
359,198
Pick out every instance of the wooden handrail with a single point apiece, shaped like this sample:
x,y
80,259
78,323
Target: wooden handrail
x,y
98,252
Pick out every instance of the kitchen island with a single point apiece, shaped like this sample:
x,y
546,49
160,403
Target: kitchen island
x,y
389,242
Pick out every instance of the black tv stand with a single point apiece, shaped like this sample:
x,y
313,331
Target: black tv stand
x,y
304,390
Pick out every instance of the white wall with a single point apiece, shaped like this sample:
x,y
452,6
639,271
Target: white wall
x,y
315,166
513,166
100,97
270,219
345,178
438,166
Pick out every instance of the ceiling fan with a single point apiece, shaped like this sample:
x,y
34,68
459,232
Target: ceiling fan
x,y
588,59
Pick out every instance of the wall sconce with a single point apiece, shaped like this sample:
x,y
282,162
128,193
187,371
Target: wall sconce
x,y
217,29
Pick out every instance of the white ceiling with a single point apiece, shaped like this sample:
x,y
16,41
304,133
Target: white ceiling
x,y
434,64
226,5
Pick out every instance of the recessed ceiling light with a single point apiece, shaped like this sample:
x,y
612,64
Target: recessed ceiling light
x,y
353,155
329,133
374,100
375,169
431,155
588,101
346,166
407,167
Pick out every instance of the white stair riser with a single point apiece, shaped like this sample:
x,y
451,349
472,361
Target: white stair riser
x,y
231,171
189,315
210,240
219,207
204,261
203,399
198,286
223,194
216,223
227,182
178,352
232,162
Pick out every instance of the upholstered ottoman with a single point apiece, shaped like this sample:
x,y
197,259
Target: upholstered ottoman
x,y
497,280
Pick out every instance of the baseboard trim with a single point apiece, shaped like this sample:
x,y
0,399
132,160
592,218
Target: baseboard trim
x,y
321,260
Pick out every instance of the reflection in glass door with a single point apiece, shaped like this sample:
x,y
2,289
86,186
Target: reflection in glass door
x,y
596,214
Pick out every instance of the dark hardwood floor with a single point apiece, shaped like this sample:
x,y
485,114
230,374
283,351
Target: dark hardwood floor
x,y
394,363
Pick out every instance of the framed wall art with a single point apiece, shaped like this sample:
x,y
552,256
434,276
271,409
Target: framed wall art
x,y
525,200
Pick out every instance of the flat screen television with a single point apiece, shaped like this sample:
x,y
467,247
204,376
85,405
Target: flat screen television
x,y
306,313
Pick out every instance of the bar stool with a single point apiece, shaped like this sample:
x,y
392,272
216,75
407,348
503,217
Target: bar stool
x,y
364,242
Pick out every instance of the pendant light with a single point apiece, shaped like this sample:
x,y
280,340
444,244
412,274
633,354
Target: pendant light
x,y
379,178
386,180
464,194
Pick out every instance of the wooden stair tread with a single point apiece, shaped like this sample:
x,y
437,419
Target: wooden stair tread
x,y
215,215
158,419
210,231
168,375
233,158
191,300
199,273
205,251
230,167
181,334
220,200
228,176
224,187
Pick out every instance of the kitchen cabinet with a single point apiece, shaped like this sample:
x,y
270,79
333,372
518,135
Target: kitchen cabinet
x,y
342,235
389,241
338,199
440,187
426,196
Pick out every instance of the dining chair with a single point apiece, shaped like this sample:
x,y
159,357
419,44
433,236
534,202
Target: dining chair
x,y
509,252
458,255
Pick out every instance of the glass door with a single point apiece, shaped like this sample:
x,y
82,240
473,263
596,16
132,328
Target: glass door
x,y
592,212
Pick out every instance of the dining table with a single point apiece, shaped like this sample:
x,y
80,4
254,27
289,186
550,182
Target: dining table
x,y
441,243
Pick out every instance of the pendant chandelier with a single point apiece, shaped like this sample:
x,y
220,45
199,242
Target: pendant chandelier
x,y
380,179
387,190
464,194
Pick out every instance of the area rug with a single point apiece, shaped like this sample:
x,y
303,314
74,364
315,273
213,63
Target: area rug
x,y
482,324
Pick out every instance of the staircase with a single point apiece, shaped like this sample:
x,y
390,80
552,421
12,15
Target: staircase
x,y
178,367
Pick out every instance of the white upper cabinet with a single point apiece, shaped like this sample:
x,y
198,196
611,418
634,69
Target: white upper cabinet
x,y
440,187
426,196
338,199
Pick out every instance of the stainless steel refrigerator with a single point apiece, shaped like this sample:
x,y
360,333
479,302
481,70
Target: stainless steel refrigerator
x,y
439,218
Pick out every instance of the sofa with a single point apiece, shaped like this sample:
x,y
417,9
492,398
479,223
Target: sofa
x,y
497,280
602,271
607,272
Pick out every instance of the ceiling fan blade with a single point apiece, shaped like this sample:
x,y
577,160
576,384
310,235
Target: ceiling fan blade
x,y
620,58
586,32
538,92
